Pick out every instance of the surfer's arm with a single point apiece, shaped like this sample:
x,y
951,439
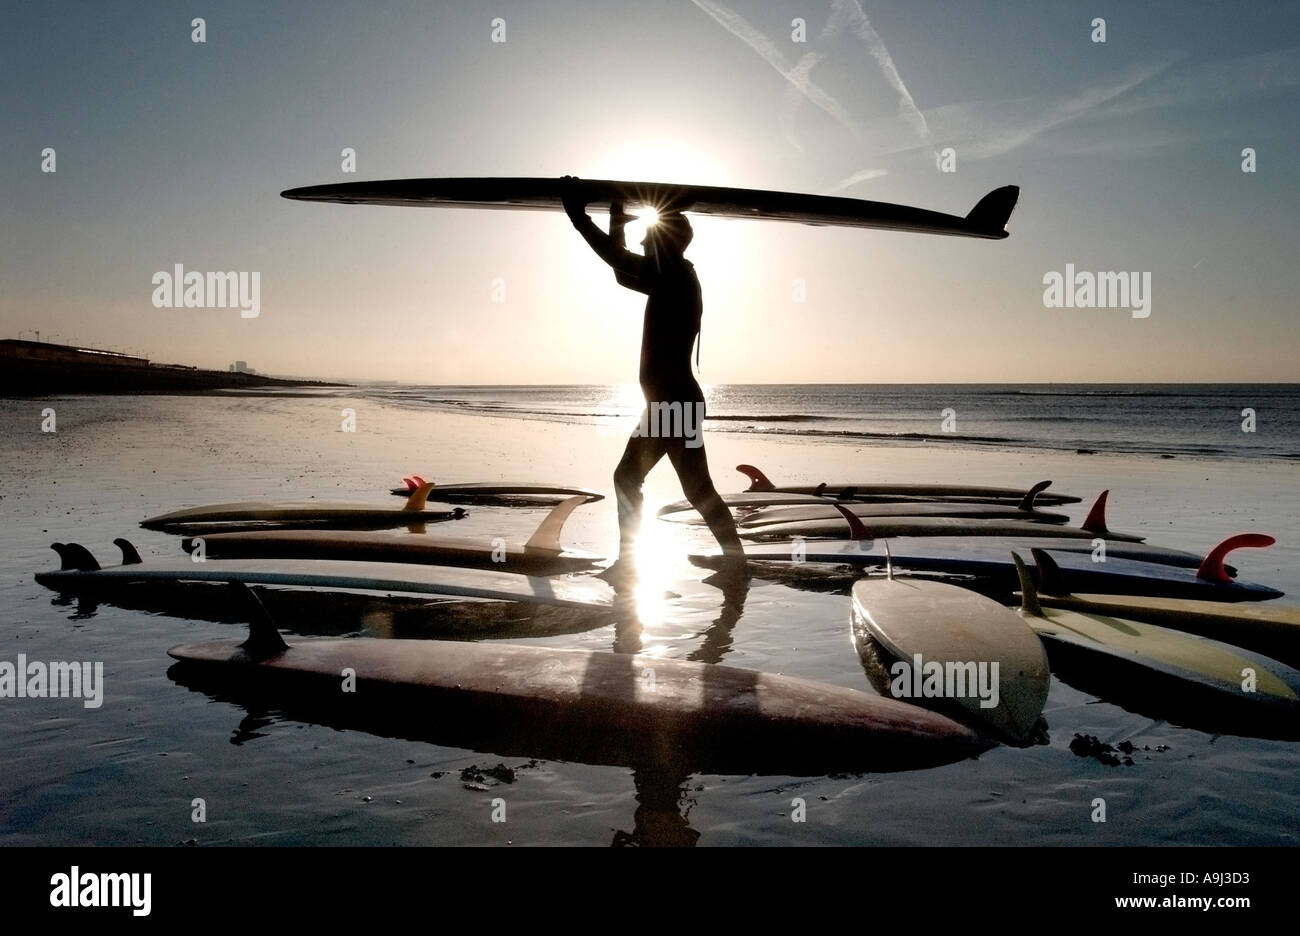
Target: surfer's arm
x,y
628,267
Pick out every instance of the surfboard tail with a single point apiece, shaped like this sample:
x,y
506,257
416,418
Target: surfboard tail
x,y
992,212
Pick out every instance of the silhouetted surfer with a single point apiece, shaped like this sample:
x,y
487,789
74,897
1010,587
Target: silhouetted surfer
x,y
674,413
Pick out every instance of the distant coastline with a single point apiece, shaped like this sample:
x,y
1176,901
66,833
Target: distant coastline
x,y
36,368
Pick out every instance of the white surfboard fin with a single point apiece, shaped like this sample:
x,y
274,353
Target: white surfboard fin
x,y
264,640
1028,590
1050,578
546,538
1028,502
130,555
889,562
1096,520
418,497
857,530
757,480
74,556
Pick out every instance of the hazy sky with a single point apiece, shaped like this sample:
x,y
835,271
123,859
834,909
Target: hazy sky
x,y
1128,153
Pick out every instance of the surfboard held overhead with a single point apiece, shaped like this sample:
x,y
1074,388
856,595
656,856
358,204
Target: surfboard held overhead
x,y
988,219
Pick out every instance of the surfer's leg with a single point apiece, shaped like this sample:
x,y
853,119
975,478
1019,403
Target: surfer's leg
x,y
692,467
640,455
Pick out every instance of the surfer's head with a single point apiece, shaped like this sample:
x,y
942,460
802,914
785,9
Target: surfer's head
x,y
670,234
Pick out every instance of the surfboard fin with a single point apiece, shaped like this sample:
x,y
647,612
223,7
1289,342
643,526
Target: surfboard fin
x,y
421,494
1212,567
757,480
130,555
75,556
546,538
1028,502
857,530
1028,590
410,483
889,561
1096,519
264,640
992,212
1050,578
847,494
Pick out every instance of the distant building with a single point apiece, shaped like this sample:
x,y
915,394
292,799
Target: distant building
x,y
241,367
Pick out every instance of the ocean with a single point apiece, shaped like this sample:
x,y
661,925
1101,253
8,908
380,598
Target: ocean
x,y
1205,420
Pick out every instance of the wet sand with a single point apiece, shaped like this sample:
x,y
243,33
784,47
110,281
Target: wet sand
x,y
128,771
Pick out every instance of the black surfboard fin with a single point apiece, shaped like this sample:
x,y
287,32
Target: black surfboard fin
x,y
757,480
821,489
857,530
1029,605
1050,578
1028,502
75,556
847,494
264,640
992,212
130,555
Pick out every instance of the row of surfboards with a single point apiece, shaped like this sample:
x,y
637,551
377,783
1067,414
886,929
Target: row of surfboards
x,y
1164,620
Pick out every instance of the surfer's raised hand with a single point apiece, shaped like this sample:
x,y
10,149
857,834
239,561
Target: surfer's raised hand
x,y
617,215
575,205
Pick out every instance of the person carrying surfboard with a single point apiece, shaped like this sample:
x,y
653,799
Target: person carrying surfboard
x,y
672,322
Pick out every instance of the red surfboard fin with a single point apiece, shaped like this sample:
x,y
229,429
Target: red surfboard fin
x,y
1212,568
1096,520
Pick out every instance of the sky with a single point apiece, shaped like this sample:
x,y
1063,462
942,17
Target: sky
x,y
1128,153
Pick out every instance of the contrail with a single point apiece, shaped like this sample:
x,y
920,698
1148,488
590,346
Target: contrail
x,y
863,29
798,76
863,175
